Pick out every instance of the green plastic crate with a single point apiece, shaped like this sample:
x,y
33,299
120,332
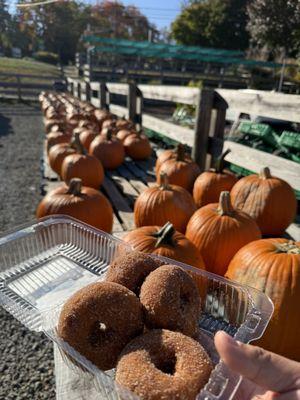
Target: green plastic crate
x,y
262,131
290,139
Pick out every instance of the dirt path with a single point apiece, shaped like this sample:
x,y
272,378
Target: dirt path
x,y
26,358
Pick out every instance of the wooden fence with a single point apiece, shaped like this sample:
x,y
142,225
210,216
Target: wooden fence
x,y
24,86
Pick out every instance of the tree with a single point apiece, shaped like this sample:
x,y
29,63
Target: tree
x,y
114,19
214,23
276,24
60,27
5,27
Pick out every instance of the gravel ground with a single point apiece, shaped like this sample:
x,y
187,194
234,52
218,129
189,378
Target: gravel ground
x,y
26,358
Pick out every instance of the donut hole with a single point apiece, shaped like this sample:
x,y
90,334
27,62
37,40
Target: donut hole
x,y
167,365
100,334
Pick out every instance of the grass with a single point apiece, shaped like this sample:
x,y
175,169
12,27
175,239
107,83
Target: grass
x,y
27,66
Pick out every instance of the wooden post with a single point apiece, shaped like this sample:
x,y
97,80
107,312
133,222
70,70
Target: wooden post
x,y
202,126
104,96
19,87
87,91
135,104
218,120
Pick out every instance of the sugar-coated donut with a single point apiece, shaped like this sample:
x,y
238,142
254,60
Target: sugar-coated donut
x,y
164,365
131,269
171,300
99,320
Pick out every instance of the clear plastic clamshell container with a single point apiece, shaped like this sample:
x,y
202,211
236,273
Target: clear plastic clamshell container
x,y
43,264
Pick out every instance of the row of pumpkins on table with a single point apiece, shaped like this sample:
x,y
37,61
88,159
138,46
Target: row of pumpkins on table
x,y
210,220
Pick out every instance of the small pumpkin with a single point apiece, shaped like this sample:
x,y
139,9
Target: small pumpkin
x,y
137,146
84,203
108,149
165,241
180,171
171,154
273,267
219,231
87,136
124,123
54,125
57,154
82,165
57,138
101,116
162,203
123,133
269,200
210,184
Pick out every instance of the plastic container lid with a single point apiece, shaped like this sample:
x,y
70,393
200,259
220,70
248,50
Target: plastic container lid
x,y
44,263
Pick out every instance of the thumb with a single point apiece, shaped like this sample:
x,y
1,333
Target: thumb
x,y
267,370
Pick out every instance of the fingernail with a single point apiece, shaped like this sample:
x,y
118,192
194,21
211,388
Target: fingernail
x,y
229,339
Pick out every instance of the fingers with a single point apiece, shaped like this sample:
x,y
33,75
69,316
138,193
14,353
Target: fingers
x,y
265,369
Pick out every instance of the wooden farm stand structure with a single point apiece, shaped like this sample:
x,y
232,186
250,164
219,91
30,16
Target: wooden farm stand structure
x,y
123,185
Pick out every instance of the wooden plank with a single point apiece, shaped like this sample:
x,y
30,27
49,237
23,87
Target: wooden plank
x,y
255,160
118,88
294,232
120,204
128,191
138,185
118,110
177,94
263,103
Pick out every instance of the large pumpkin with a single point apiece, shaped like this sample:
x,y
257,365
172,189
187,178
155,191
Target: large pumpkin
x,y
108,149
269,200
210,184
137,146
57,154
171,154
165,241
273,266
179,170
84,203
162,203
82,165
219,231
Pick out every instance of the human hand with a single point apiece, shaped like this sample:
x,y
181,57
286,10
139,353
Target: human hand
x,y
266,376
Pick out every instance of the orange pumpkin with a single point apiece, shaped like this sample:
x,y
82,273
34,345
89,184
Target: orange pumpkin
x,y
165,242
82,165
269,200
108,149
137,146
101,116
57,154
210,184
84,203
219,231
87,136
171,154
124,123
179,171
57,138
273,266
162,203
123,133
54,125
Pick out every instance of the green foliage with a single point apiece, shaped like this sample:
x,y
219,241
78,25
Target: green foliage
x,y
47,57
276,24
212,23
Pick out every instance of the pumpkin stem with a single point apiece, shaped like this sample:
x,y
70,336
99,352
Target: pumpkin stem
x,y
225,206
75,186
180,152
164,181
290,247
165,235
265,173
109,134
220,161
77,144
